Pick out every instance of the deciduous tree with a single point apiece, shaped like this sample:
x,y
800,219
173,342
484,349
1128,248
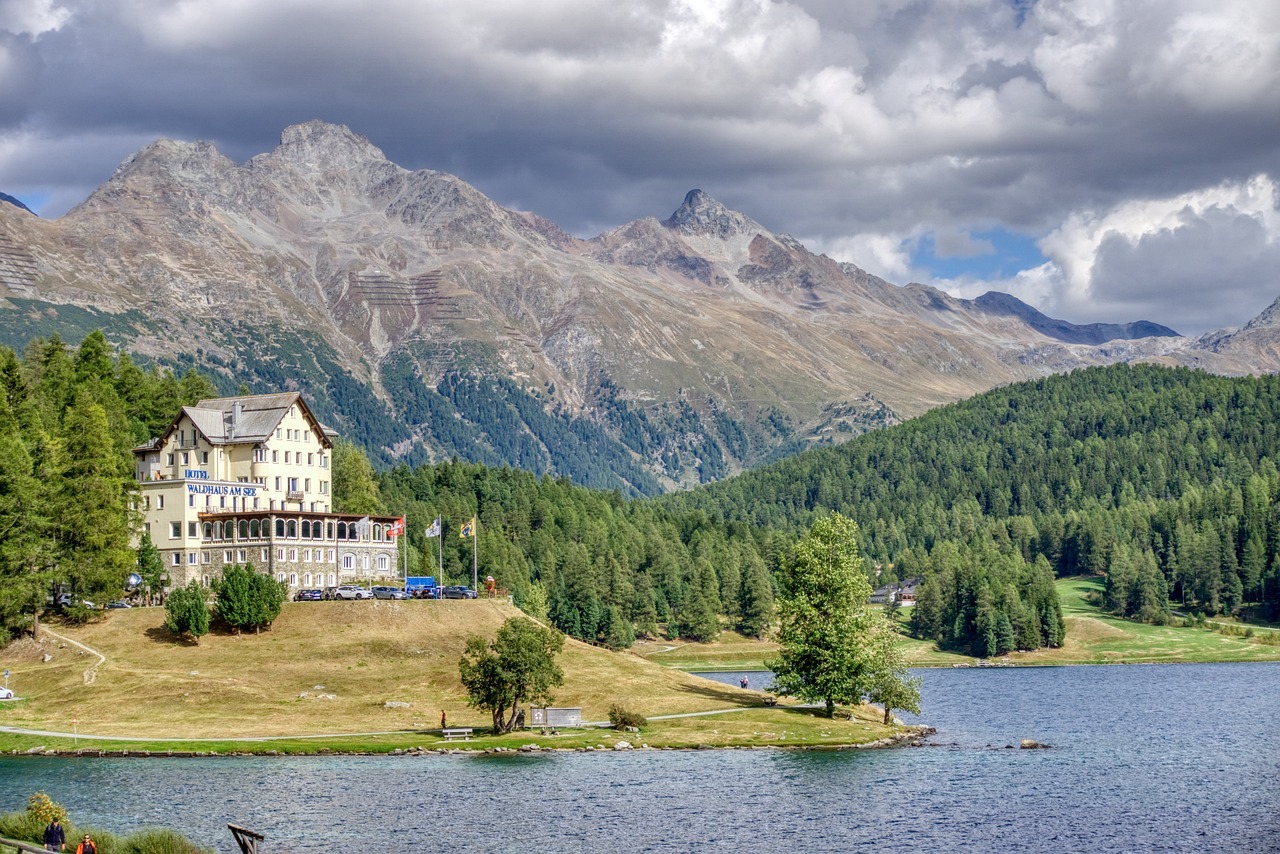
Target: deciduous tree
x,y
517,666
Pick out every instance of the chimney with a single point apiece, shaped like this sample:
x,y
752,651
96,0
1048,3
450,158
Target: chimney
x,y
235,419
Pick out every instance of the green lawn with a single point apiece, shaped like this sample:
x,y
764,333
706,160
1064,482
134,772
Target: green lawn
x,y
1092,638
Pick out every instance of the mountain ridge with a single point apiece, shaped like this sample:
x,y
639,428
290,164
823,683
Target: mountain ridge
x,y
681,350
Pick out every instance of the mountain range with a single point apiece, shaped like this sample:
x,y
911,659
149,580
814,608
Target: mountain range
x,y
425,321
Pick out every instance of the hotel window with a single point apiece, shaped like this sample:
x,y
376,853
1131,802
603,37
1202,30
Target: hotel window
x,y
226,557
382,563
306,435
324,461
191,529
306,485
255,502
191,558
275,456
204,457
348,561
324,487
186,458
311,459
159,502
293,484
293,579
177,559
170,459
279,433
241,557
265,552
279,554
204,557
175,530
286,458
278,484
259,454
293,555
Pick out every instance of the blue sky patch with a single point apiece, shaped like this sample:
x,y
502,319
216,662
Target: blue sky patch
x,y
994,254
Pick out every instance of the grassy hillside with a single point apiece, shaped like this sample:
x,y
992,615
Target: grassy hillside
x,y
332,667
1093,637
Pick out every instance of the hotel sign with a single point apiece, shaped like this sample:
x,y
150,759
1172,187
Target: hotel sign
x,y
222,489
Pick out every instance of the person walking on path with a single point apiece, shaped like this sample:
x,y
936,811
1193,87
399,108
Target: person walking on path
x,y
87,846
55,838
442,720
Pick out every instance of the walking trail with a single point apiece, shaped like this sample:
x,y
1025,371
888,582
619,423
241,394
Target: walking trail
x,y
92,673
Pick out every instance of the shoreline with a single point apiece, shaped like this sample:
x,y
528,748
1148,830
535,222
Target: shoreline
x,y
909,736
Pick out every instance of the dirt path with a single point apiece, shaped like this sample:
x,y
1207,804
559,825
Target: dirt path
x,y
92,673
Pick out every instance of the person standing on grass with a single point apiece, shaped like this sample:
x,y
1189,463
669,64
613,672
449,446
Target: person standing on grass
x,y
442,720
87,846
55,838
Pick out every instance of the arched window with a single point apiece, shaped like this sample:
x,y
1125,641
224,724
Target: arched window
x,y
280,576
342,530
280,528
353,531
306,529
244,529
206,531
293,529
348,561
228,530
306,580
329,530
377,532
293,579
382,563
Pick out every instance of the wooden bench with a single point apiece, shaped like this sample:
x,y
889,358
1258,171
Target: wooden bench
x,y
454,733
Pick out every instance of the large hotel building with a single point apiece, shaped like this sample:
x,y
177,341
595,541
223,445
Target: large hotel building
x,y
249,480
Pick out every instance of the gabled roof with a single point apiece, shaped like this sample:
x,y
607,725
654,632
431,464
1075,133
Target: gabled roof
x,y
244,420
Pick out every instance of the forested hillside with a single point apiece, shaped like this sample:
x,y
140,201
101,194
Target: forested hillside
x,y
1164,479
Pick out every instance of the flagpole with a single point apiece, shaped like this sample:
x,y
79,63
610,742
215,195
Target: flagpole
x,y
475,555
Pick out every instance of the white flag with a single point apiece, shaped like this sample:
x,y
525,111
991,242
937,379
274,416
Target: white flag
x,y
362,527
434,529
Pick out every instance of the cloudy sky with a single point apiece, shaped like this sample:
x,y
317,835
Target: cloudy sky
x,y
1101,159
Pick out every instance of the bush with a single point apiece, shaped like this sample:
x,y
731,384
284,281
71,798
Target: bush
x,y
187,611
620,718
45,809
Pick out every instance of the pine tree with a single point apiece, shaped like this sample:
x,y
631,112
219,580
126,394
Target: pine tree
x,y
92,505
187,612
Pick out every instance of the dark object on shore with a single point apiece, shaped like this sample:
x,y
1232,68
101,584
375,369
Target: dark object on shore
x,y
247,839
1032,744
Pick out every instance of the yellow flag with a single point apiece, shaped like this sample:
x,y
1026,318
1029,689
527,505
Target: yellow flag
x,y
468,529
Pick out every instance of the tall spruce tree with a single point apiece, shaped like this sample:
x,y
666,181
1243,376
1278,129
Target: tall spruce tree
x,y
91,505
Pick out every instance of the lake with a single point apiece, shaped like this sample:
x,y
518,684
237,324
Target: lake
x,y
1144,758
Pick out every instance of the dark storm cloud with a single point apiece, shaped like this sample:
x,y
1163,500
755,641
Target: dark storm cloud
x,y
858,127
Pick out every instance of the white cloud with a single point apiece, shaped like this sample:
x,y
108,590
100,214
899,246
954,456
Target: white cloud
x,y
32,17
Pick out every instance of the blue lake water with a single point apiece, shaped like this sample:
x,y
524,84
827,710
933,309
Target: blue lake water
x,y
1144,758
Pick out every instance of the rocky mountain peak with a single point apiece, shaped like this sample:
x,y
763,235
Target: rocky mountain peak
x,y
702,215
1269,318
318,144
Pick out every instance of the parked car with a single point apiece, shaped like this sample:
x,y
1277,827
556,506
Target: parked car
x,y
351,591
119,603
6,694
64,601
308,595
329,593
458,591
383,592
425,593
